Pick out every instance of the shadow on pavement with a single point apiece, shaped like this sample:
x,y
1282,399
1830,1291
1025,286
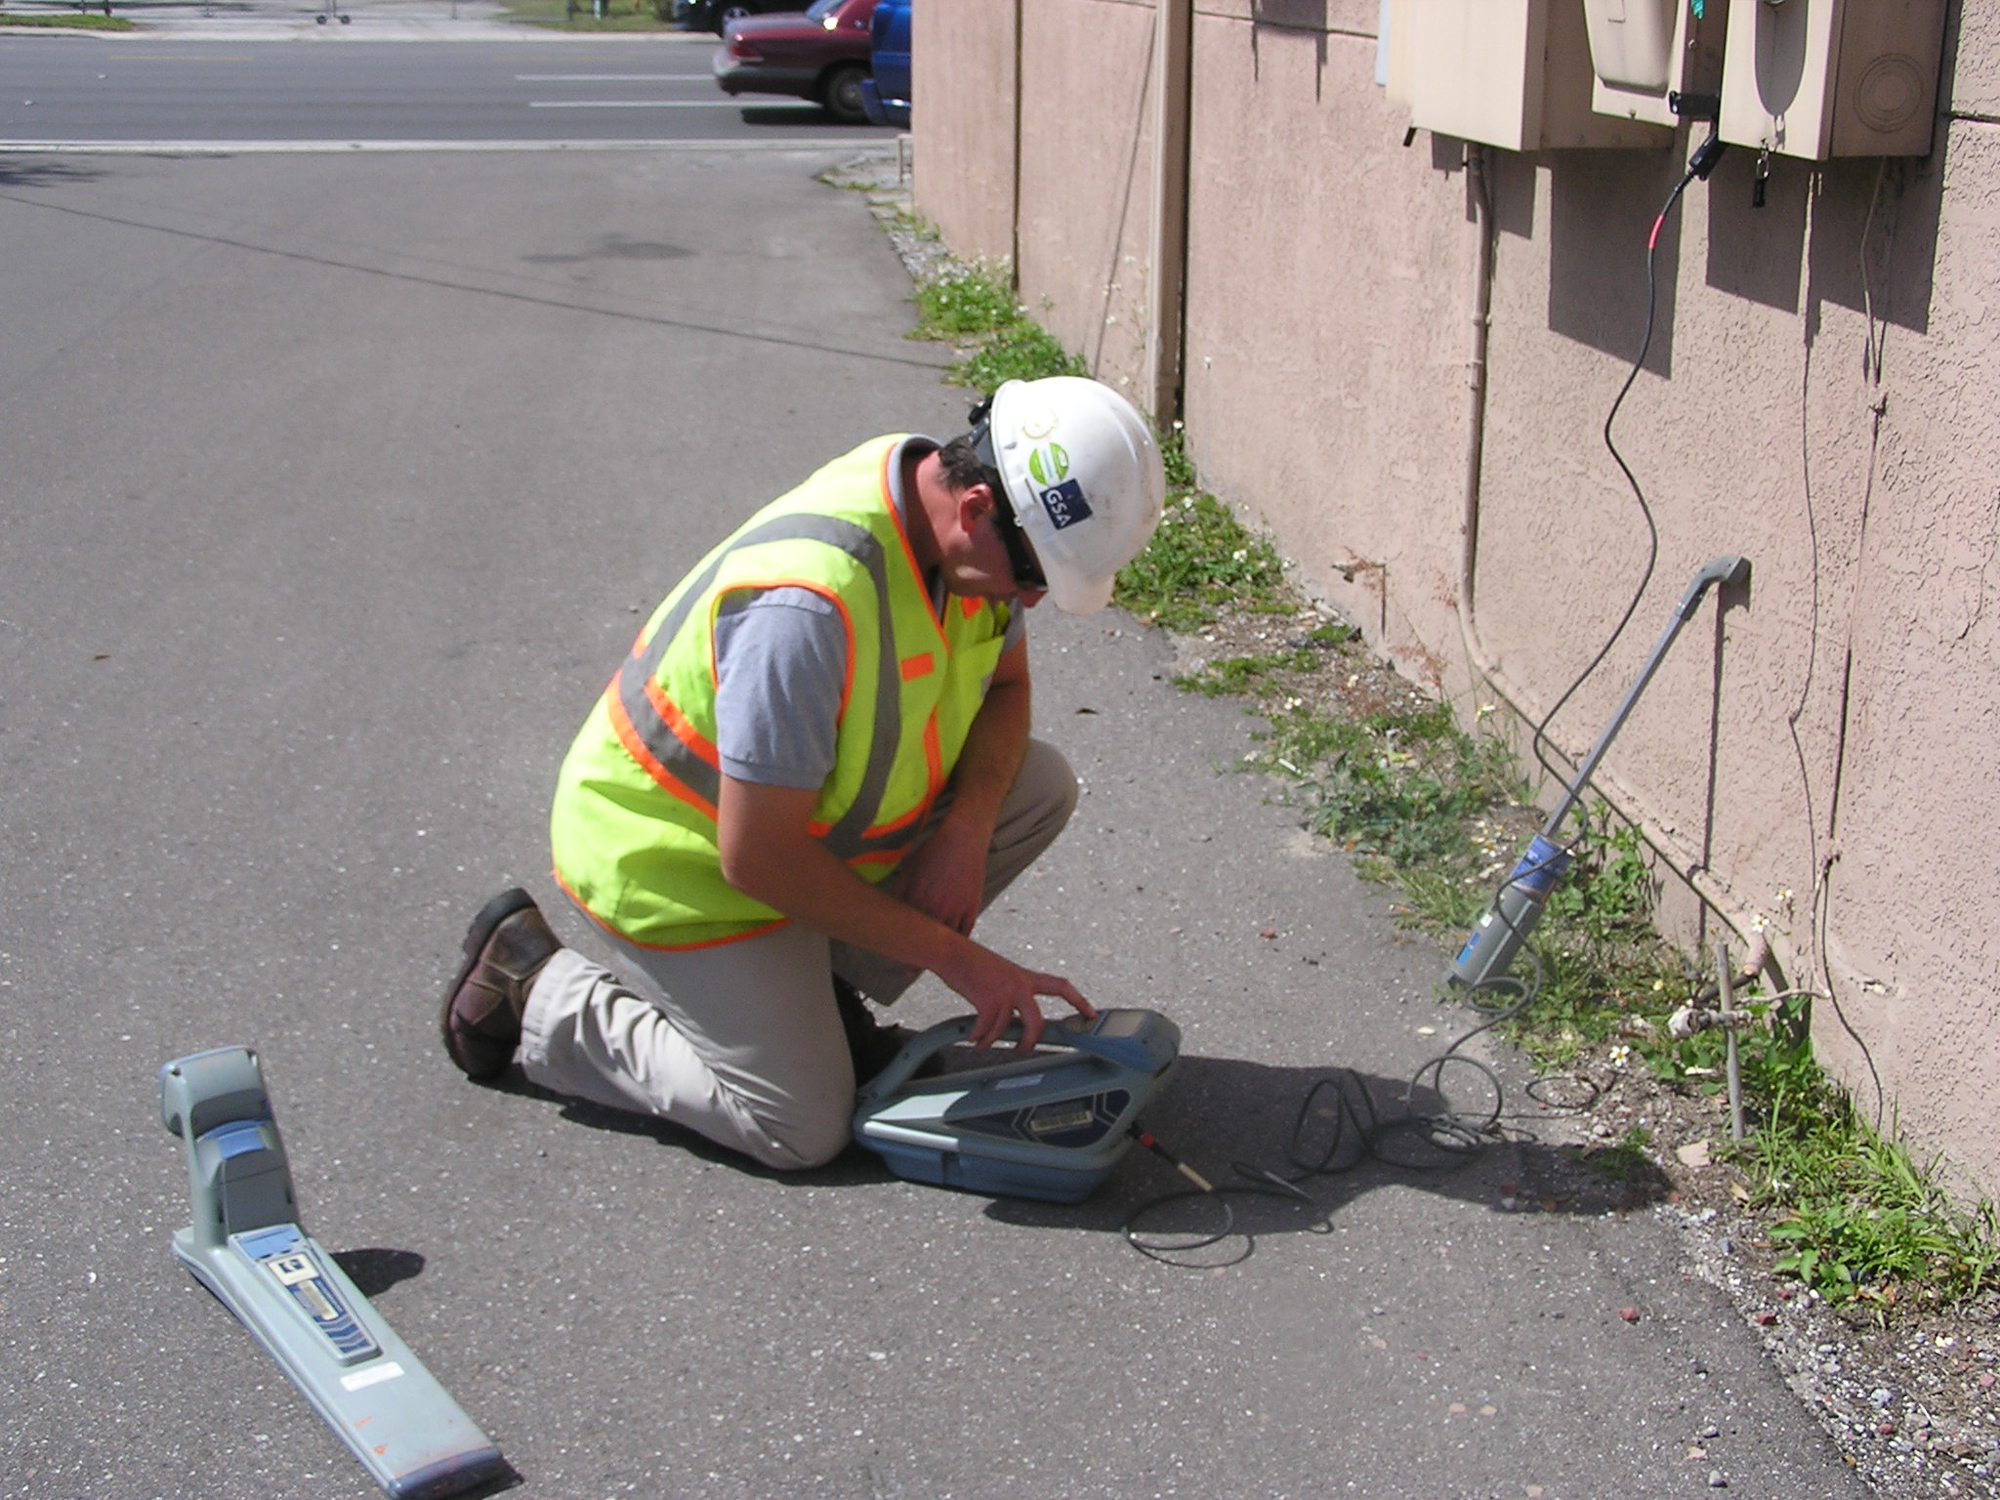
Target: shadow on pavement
x,y
1285,1147
852,1167
374,1270
803,112
27,171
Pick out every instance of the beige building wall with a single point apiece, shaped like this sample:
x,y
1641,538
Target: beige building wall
x,y
962,59
1820,754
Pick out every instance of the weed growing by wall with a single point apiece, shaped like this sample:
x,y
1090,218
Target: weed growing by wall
x,y
1200,560
1441,813
973,308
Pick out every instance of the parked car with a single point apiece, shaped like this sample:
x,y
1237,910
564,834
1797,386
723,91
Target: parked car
x,y
821,54
714,15
886,95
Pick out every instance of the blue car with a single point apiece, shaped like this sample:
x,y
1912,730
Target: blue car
x,y
886,94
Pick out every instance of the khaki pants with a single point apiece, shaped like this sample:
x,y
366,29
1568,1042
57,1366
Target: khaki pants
x,y
742,1042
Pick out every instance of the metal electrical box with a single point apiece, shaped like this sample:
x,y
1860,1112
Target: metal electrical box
x,y
1632,41
1509,73
1823,78
1646,51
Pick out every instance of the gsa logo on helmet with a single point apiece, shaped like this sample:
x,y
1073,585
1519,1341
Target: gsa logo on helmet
x,y
1065,504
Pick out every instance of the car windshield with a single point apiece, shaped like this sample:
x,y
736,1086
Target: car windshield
x,y
819,10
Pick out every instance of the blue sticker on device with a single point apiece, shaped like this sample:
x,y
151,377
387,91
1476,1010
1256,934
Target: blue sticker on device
x,y
1065,504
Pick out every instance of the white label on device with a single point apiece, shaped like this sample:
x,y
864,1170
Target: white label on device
x,y
1019,1083
373,1376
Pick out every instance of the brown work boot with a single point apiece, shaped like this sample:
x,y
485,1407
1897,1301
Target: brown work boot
x,y
505,949
872,1045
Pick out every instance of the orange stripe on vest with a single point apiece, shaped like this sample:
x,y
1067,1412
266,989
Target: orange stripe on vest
x,y
635,747
678,723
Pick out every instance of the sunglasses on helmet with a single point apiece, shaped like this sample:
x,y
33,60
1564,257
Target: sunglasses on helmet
x,y
1028,575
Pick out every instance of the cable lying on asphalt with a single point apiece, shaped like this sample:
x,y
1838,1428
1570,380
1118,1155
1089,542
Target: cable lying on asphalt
x,y
1443,1138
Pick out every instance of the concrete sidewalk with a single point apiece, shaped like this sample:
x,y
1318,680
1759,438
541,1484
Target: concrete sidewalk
x,y
325,517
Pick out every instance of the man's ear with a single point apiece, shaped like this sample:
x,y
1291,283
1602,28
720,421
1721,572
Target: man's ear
x,y
975,503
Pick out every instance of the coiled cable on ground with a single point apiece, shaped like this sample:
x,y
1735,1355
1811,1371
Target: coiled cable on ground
x,y
1359,1133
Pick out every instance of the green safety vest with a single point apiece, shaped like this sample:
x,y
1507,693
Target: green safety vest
x,y
633,824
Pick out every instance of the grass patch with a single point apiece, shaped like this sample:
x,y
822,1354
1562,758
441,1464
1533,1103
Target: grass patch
x,y
1625,1160
1200,559
974,308
1023,352
964,303
1858,1219
1239,674
620,15
1854,1216
66,20
1403,789
1602,965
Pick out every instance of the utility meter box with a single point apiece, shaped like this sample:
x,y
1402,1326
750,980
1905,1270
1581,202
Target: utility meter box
x,y
1632,41
1509,73
1823,78
1645,51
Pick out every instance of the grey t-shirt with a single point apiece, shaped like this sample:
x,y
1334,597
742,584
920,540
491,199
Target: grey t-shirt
x,y
780,665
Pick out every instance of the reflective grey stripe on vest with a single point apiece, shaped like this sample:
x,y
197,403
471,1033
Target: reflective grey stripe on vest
x,y
847,838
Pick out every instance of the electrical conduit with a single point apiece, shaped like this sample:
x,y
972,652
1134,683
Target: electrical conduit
x,y
1684,862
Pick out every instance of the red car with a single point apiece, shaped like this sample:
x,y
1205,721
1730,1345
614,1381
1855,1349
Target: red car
x,y
821,54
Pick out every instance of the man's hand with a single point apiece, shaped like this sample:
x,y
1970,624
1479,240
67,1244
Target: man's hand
x,y
998,990
768,853
945,876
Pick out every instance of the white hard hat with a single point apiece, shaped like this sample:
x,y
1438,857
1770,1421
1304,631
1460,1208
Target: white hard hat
x,y
1083,478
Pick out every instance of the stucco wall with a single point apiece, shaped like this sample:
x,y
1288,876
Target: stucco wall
x,y
962,66
1328,291
1910,901
1087,147
1821,395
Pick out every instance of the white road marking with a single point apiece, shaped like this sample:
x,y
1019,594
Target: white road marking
x,y
758,103
269,148
614,77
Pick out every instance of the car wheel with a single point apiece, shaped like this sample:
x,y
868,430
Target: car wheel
x,y
840,92
726,13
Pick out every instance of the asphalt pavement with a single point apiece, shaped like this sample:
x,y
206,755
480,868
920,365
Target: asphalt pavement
x,y
334,489
365,20
409,79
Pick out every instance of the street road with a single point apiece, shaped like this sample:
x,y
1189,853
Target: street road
x,y
335,486
646,88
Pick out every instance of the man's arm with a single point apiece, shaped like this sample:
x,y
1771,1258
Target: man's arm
x,y
768,853
945,876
